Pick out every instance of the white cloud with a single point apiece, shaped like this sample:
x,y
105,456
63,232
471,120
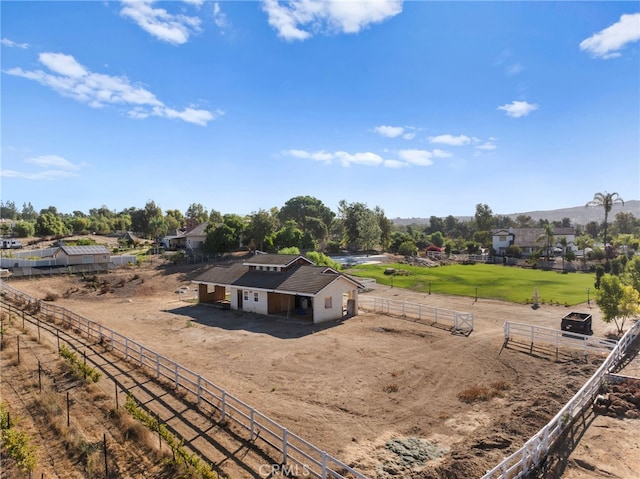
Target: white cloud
x,y
219,18
606,43
165,26
62,64
395,164
299,20
514,69
346,159
516,109
365,158
389,131
416,157
488,145
407,132
11,44
52,167
450,140
71,79
318,155
441,154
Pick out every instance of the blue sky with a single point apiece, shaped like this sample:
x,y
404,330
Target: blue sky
x,y
421,108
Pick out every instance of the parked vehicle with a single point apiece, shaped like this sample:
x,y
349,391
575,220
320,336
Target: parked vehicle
x,y
8,243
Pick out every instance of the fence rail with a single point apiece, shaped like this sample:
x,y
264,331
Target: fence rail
x,y
589,344
462,322
522,462
259,427
17,262
294,449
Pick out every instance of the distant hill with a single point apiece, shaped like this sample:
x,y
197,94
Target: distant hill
x,y
579,215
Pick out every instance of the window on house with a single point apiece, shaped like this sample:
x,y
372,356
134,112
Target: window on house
x,y
255,297
328,302
503,237
246,295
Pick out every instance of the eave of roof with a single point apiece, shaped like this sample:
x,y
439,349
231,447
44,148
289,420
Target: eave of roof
x,y
302,279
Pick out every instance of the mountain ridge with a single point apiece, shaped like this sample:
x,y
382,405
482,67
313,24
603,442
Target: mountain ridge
x,y
579,215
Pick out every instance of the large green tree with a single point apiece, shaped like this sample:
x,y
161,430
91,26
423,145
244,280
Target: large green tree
x,y
197,212
606,201
361,228
262,223
302,209
617,301
49,224
483,218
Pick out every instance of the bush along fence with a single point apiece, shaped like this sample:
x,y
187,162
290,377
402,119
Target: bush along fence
x,y
459,322
521,463
260,429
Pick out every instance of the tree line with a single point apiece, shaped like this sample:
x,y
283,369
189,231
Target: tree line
x,y
306,223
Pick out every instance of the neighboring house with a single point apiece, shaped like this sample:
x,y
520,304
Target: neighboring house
x,y
529,239
174,239
288,285
72,255
130,238
194,238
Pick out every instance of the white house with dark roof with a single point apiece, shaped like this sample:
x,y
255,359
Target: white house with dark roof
x,y
288,285
528,239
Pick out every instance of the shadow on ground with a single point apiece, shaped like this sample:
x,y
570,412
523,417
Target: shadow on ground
x,y
277,326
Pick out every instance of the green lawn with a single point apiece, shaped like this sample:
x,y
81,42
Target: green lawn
x,y
511,284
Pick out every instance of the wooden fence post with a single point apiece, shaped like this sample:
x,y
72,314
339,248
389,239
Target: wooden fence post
x,y
104,447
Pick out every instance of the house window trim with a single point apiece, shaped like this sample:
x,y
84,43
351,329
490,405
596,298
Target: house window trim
x,y
328,302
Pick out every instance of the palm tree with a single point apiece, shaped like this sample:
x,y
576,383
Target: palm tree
x,y
606,200
562,241
549,236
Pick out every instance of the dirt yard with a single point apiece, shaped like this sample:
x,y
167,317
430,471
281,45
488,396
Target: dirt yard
x,y
382,394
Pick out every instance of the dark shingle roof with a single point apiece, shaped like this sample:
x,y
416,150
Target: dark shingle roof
x,y
299,279
275,259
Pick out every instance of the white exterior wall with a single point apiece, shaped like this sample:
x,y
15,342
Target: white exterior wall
x,y
250,305
497,244
233,298
334,291
195,242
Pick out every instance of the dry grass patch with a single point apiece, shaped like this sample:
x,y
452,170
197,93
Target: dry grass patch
x,y
483,393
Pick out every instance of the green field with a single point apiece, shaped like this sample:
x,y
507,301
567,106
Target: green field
x,y
511,284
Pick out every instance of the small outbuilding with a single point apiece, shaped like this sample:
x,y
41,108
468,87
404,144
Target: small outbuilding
x,y
273,284
82,255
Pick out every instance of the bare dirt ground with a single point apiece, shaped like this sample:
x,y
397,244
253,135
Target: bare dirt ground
x,y
380,393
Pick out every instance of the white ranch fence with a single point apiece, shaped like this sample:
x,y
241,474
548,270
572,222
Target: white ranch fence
x,y
461,322
297,451
293,450
588,344
535,450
